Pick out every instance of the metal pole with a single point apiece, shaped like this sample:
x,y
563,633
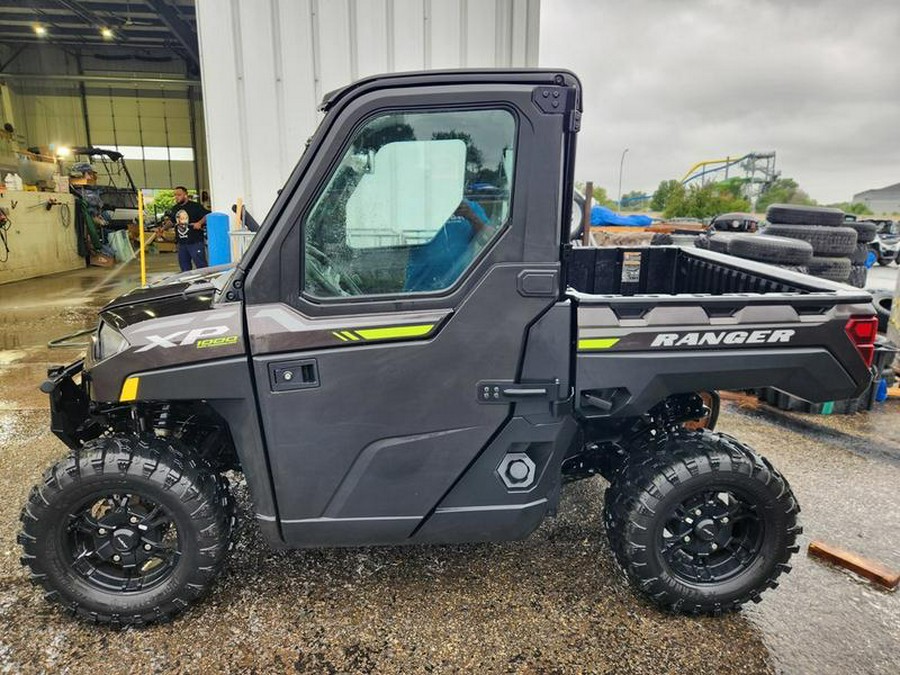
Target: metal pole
x,y
135,80
621,164
84,109
140,196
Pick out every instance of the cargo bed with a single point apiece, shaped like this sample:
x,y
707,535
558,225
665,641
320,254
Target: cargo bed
x,y
658,321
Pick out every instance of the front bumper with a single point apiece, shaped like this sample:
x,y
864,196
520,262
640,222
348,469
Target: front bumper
x,y
69,403
888,250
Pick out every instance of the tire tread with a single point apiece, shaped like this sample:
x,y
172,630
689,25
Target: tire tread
x,y
652,472
206,495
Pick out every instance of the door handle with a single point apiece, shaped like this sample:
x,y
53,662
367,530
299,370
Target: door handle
x,y
504,391
524,392
291,375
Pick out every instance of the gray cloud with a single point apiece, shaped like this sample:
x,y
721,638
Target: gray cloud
x,y
679,81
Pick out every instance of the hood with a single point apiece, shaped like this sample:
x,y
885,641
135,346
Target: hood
x,y
177,294
192,291
173,324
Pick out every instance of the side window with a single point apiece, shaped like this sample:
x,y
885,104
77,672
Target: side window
x,y
411,204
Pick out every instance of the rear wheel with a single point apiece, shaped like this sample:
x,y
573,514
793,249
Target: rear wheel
x,y
700,523
126,531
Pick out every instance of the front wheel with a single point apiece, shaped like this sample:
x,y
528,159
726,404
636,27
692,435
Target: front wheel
x,y
700,523
126,531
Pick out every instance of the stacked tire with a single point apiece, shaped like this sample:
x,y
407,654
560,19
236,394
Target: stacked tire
x,y
839,248
789,254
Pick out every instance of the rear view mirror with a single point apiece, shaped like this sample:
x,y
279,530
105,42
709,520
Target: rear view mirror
x,y
409,192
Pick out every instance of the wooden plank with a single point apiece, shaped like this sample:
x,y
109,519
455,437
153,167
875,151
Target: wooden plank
x,y
893,392
868,569
743,400
586,213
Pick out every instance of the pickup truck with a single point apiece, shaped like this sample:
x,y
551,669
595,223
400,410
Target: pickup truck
x,y
411,351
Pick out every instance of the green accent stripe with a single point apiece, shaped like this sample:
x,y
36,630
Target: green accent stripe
x,y
350,336
597,343
339,336
392,332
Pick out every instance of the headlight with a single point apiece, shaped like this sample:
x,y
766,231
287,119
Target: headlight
x,y
108,342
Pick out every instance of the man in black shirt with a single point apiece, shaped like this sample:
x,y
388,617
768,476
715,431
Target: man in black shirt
x,y
189,219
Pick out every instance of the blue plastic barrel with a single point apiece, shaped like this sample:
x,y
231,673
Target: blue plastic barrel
x,y
217,225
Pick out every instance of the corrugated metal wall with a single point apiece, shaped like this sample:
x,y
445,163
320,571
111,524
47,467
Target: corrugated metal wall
x,y
266,64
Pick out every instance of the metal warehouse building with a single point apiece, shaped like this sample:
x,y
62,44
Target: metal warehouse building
x,y
266,65
221,95
881,200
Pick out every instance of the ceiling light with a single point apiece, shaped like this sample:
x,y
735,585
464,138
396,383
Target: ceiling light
x,y
40,30
107,33
63,151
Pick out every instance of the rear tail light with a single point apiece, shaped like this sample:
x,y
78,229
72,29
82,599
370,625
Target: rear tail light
x,y
862,332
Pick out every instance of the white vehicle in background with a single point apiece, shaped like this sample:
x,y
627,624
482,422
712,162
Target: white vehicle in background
x,y
886,244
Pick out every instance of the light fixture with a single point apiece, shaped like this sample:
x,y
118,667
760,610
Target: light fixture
x,y
107,33
63,151
40,30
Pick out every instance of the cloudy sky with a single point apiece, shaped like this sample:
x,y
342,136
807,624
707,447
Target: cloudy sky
x,y
680,81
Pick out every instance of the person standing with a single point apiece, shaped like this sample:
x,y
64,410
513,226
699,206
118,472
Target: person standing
x,y
189,220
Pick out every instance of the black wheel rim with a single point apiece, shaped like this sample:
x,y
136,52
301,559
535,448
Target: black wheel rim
x,y
122,542
712,536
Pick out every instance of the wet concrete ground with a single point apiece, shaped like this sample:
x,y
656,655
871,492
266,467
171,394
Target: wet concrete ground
x,y
554,603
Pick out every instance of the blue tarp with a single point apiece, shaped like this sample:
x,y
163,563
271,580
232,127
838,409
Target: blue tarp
x,y
600,215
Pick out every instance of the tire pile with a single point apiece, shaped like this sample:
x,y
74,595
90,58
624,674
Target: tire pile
x,y
809,239
839,248
789,254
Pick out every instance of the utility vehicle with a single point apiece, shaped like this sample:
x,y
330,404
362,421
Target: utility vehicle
x,y
411,351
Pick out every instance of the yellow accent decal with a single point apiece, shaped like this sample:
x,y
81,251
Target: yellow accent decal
x,y
129,389
217,342
339,336
597,343
395,332
350,336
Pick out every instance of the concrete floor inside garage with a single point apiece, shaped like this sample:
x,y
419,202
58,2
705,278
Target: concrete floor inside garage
x,y
552,603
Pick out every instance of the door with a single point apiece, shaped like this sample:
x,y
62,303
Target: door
x,y
419,243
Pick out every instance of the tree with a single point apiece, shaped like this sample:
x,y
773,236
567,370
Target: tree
x,y
474,158
703,201
784,191
661,196
634,201
163,200
857,208
734,186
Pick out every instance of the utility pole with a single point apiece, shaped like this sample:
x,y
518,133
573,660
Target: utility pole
x,y
621,164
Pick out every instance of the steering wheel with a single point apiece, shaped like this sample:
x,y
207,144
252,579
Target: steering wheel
x,y
338,284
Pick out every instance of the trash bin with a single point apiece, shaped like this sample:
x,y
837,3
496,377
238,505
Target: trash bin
x,y
217,225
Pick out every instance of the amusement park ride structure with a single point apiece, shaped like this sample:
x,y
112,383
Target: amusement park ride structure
x,y
757,169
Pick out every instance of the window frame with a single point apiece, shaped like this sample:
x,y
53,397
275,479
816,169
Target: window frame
x,y
338,157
